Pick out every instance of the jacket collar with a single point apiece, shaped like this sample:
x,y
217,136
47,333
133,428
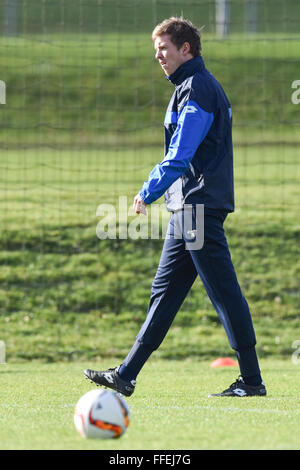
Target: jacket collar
x,y
187,69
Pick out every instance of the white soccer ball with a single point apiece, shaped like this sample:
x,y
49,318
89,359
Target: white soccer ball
x,y
101,414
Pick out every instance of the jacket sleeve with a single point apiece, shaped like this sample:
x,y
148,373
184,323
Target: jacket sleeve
x,y
192,127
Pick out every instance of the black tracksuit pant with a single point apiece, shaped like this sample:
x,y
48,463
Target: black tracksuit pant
x,y
180,263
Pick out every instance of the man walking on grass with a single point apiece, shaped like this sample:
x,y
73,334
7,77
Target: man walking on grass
x,y
197,171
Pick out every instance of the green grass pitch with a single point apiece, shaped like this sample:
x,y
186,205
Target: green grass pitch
x,y
170,408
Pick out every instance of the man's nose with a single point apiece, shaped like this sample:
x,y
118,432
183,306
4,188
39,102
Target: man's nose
x,y
158,55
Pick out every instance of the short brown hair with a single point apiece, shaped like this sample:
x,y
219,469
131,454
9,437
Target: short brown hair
x,y
181,31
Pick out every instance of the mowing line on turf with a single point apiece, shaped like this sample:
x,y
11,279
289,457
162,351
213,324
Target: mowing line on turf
x,y
201,407
223,409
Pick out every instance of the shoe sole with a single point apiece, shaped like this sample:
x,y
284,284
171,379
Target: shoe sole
x,y
237,396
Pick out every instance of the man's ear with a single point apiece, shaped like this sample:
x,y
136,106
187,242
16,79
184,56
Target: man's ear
x,y
186,48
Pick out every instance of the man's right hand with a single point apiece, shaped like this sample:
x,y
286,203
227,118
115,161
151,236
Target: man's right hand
x,y
139,206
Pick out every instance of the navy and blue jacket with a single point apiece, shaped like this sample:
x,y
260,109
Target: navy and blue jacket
x,y
198,163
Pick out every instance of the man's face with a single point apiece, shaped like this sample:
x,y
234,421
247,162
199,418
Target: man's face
x,y
169,57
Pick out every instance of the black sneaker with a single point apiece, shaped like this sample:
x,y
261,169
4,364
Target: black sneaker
x,y
111,379
240,389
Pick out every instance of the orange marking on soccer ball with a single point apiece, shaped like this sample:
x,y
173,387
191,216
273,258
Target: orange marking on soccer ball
x,y
124,411
106,426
